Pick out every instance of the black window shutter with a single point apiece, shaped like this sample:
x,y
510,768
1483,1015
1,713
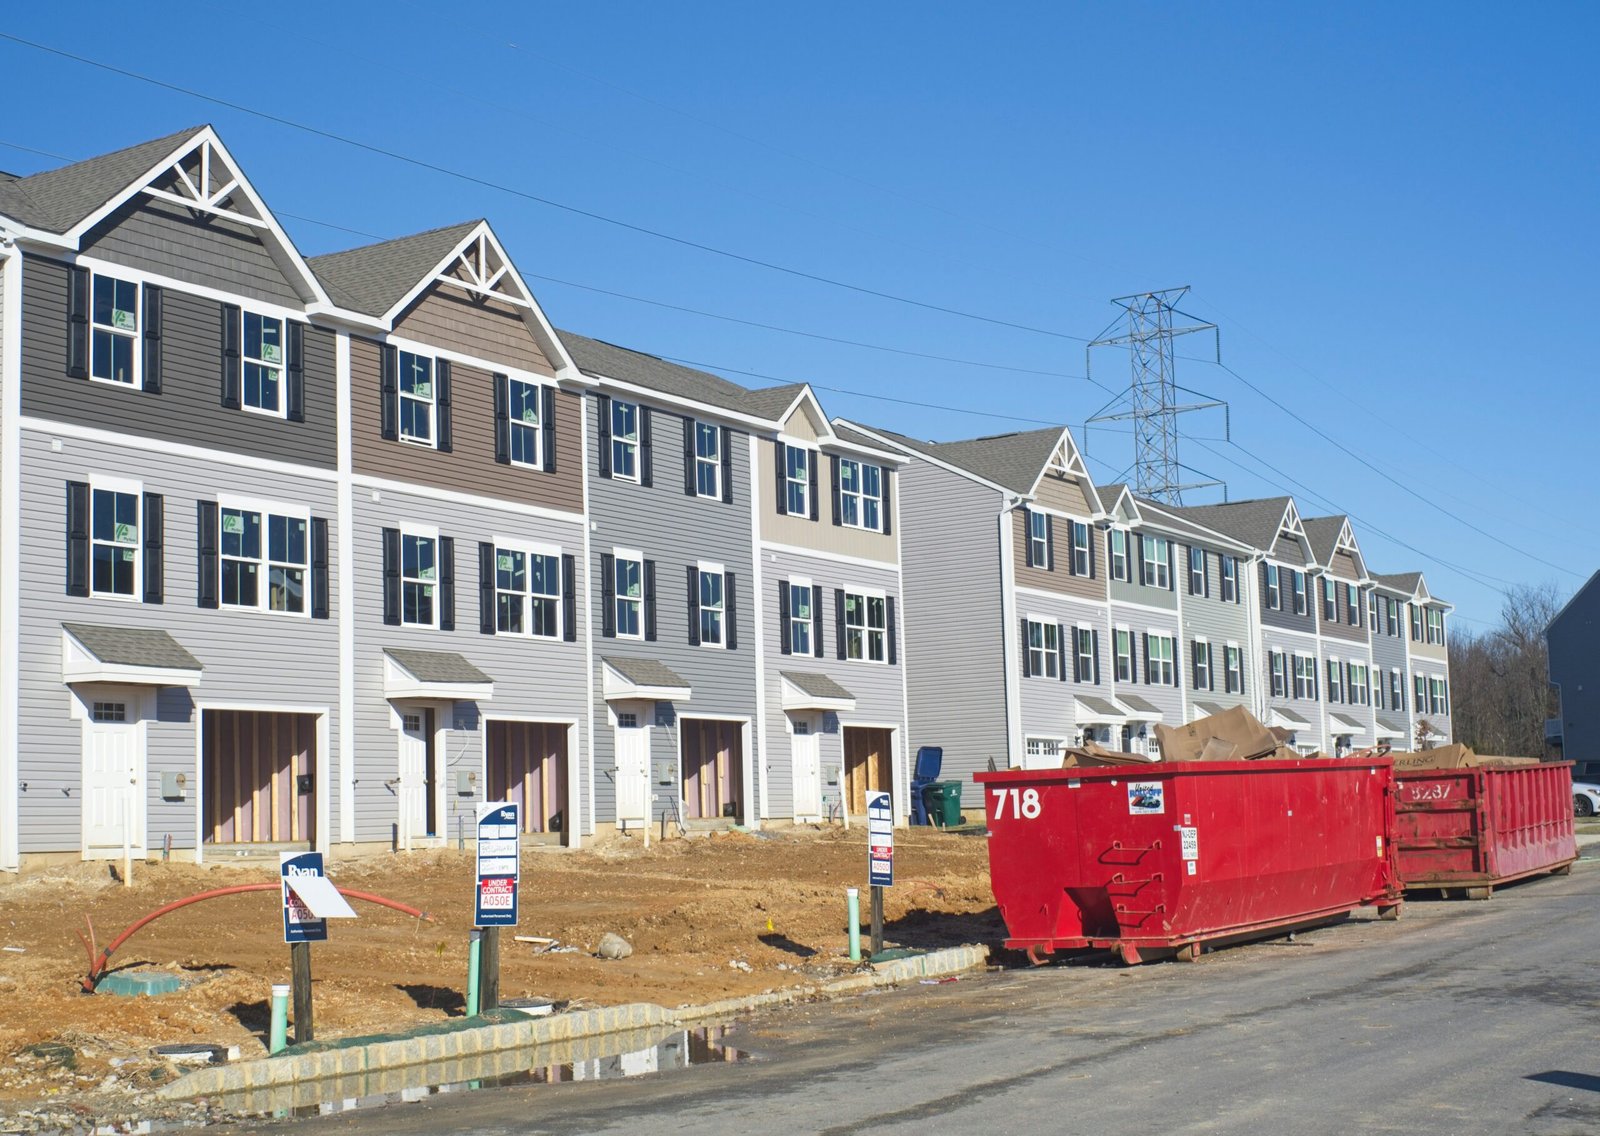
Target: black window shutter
x,y
811,472
77,538
784,643
1088,531
547,427
154,548
886,509
1049,543
319,567
689,485
1145,635
730,610
444,443
889,632
1027,537
1027,666
569,597
294,380
232,334
391,577
1094,649
816,620
502,418
1211,669
602,412
1061,651
389,391
78,323
650,601
152,339
694,606
209,566
780,477
838,623
833,479
726,450
647,476
486,620
1138,544
447,583
608,594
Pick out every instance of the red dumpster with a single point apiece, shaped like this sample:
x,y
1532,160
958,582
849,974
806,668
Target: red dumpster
x,y
1170,856
1476,827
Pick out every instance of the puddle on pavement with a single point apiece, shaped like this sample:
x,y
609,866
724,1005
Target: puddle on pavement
x,y
635,1053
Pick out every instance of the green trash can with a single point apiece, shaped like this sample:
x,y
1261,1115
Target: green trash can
x,y
943,802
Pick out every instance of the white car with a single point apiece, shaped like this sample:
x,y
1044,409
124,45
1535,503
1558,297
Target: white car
x,y
1585,799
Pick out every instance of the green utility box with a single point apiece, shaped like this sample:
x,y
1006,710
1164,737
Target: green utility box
x,y
942,799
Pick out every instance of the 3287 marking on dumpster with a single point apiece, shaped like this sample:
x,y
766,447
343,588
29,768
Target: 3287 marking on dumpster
x,y
1437,791
1024,803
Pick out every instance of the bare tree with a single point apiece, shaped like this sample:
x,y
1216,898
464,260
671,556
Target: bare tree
x,y
1499,680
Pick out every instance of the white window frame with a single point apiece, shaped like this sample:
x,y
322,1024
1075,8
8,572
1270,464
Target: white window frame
x,y
1121,562
1039,542
1353,604
419,533
1373,622
1084,653
135,489
1330,600
430,402
522,427
1232,669
800,583
1297,580
619,557
1162,667
1305,677
859,498
1419,683
1360,691
133,334
1043,748
870,634
1435,626
1048,650
1160,566
528,549
264,563
1201,662
1230,578
797,486
1438,697
1081,560
1335,680
625,444
1279,666
1198,583
1274,587
1397,690
705,569
279,367
707,464
1123,637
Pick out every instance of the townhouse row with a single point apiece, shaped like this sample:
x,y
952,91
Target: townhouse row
x,y
246,498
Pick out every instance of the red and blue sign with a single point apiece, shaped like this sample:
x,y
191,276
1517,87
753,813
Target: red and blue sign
x,y
499,865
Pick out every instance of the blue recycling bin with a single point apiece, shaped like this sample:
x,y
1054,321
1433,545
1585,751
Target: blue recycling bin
x,y
930,759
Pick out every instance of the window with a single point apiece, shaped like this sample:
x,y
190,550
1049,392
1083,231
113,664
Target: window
x,y
116,331
263,363
114,537
1416,624
1396,623
707,460
1197,572
1280,678
1397,691
1436,626
1335,685
629,595
110,712
1439,697
1044,749
1233,669
801,619
1157,569
1044,649
624,446
419,574
1360,694
712,605
628,719
1088,666
1372,612
1422,694
1202,664
1352,597
1119,556
1124,651
1298,579
1039,540
1274,588
860,495
1230,580
865,627
1305,677
261,545
416,398
527,592
524,399
1161,669
1082,561
1330,605
797,481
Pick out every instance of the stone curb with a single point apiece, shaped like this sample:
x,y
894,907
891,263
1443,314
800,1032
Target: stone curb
x,y
273,1072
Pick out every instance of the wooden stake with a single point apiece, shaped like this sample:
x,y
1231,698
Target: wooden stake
x,y
300,975
877,920
489,970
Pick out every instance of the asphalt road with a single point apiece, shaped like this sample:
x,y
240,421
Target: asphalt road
x,y
1460,1018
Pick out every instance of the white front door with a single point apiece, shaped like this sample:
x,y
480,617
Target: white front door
x,y
633,764
113,776
807,766
413,777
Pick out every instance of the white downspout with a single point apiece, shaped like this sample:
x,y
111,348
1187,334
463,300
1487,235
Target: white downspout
x,y
1009,624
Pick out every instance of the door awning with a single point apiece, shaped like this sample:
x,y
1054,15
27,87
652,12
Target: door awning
x,y
625,679
1138,709
1286,719
806,690
1089,710
1344,725
137,656
1389,727
433,674
1206,709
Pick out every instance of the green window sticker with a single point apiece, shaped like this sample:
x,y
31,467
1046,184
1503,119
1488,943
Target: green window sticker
x,y
123,321
127,534
423,389
427,573
233,523
530,415
127,555
271,353
504,562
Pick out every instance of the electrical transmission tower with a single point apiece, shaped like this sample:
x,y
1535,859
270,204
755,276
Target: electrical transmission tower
x,y
1151,402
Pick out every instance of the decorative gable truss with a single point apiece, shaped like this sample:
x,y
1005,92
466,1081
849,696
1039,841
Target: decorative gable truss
x,y
1347,543
1291,527
1067,461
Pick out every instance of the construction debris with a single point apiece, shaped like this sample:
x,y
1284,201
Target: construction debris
x,y
613,946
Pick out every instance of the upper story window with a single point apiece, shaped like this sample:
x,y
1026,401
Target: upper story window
x,y
527,592
1439,697
1436,626
1335,685
1274,588
1082,561
1044,649
1397,691
1202,665
1087,657
1360,693
1352,600
1120,569
419,580
1039,540
712,583
797,480
1416,623
629,597
1123,639
624,442
1280,676
1157,566
265,560
860,495
707,460
1233,669
1372,612
1330,604
1197,571
263,364
417,398
802,619
1230,579
1305,677
114,540
1160,668
1298,580
866,623
525,434
115,315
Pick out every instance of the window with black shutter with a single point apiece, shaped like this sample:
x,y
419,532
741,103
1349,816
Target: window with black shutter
x,y
833,479
77,538
152,339
486,620
608,594
840,645
694,605
319,568
780,475
78,326
811,470
232,332
727,465
647,476
547,428
892,632
569,597
650,601
391,577
389,393
208,567
441,389
816,620
154,548
447,583
294,373
785,645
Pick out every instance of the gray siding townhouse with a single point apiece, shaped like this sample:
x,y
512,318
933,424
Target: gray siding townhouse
x,y
1145,656
1428,658
1007,627
169,629
1341,586
464,535
1391,664
1575,673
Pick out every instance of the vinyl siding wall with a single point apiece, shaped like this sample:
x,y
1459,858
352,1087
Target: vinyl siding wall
x,y
1285,618
1142,621
1135,591
821,533
1389,653
1208,617
1276,640
1049,704
452,320
251,659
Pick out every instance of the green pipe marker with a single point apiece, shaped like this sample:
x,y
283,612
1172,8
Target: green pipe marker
x,y
278,1039
473,957
853,898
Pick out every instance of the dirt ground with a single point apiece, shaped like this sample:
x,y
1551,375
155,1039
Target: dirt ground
x,y
691,908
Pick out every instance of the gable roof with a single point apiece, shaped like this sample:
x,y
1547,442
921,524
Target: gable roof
x,y
1011,461
599,359
1407,582
1255,523
133,646
1172,519
437,666
57,200
374,278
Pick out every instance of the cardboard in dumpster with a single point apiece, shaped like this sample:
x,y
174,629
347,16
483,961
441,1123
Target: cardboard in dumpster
x,y
1092,756
1456,756
1233,735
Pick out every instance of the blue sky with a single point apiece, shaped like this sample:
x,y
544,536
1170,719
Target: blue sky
x,y
1389,211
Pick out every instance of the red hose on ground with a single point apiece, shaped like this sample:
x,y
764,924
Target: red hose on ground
x,y
97,966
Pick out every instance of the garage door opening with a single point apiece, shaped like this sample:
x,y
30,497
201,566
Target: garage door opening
x,y
713,770
868,764
528,765
258,770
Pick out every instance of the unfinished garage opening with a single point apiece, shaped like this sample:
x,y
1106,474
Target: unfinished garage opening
x,y
528,764
713,769
258,772
868,764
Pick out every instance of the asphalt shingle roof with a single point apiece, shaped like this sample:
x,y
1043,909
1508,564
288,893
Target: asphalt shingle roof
x,y
374,278
816,685
1407,582
1013,461
56,200
1323,535
133,646
437,666
1253,522
645,672
596,357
